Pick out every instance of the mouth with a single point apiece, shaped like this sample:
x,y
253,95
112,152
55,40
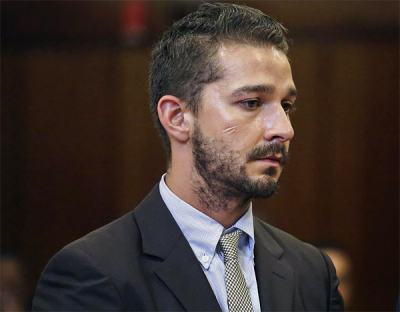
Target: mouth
x,y
271,155
273,159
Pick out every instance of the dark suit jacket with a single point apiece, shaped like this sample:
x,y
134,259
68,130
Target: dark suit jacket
x,y
142,262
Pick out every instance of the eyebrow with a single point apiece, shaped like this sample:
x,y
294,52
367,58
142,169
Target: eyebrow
x,y
256,88
263,88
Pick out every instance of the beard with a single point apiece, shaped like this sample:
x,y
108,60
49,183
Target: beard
x,y
224,171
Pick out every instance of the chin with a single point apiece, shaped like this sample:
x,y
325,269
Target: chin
x,y
265,177
266,189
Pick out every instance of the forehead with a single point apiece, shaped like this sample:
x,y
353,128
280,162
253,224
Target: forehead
x,y
242,63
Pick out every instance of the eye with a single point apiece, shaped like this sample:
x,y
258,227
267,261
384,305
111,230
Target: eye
x,y
288,107
250,104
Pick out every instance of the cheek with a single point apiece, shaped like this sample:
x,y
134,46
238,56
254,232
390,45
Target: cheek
x,y
218,121
243,134
253,130
240,138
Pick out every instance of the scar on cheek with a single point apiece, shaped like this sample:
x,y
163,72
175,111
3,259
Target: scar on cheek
x,y
229,130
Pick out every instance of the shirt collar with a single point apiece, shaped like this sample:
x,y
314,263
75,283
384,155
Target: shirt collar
x,y
201,231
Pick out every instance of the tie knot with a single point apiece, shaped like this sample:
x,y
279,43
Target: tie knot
x,y
229,243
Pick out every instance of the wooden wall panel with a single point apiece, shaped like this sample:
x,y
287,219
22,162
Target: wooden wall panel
x,y
380,215
141,159
68,157
13,90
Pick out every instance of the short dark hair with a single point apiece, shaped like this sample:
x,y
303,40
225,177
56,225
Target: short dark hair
x,y
183,60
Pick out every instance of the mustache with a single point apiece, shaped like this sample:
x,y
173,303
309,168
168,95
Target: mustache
x,y
269,150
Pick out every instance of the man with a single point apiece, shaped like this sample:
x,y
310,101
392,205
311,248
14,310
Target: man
x,y
344,269
221,91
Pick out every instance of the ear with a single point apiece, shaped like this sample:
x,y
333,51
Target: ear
x,y
171,112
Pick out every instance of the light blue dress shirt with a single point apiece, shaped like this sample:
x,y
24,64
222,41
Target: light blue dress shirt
x,y
203,234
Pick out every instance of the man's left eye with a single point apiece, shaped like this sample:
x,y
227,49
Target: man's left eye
x,y
288,107
250,103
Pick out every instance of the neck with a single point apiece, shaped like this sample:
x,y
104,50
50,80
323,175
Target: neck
x,y
209,199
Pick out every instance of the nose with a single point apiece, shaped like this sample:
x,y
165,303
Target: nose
x,y
278,126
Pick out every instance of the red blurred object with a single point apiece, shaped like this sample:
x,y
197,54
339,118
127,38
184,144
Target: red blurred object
x,y
134,22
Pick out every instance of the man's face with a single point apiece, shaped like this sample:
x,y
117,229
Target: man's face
x,y
242,132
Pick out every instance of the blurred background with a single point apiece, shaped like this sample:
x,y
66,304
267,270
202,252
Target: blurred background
x,y
79,148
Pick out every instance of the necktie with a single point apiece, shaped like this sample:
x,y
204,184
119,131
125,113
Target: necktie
x,y
238,294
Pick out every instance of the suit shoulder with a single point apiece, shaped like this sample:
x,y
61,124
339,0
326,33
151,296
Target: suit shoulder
x,y
293,247
105,245
284,238
315,273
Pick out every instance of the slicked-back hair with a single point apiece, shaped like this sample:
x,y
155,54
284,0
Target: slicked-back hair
x,y
183,61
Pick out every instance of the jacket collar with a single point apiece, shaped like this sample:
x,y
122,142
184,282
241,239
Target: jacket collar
x,y
162,238
275,280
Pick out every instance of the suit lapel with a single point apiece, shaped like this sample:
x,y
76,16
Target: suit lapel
x,y
275,280
179,270
183,275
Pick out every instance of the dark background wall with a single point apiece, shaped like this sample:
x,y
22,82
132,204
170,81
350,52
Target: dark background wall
x,y
79,148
